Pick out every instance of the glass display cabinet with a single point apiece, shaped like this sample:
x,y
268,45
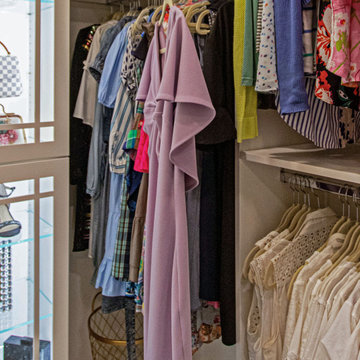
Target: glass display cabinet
x,y
34,206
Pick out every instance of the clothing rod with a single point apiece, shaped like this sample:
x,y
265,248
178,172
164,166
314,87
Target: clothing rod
x,y
111,3
316,183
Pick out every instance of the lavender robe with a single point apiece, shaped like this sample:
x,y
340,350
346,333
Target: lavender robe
x,y
177,107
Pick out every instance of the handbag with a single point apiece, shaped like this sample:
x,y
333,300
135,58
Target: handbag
x,y
13,136
10,80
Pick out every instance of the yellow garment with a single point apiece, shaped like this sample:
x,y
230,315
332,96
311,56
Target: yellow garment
x,y
245,96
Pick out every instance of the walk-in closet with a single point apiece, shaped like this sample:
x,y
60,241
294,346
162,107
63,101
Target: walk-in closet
x,y
179,179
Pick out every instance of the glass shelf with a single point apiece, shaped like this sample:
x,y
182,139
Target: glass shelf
x,y
19,319
26,235
21,314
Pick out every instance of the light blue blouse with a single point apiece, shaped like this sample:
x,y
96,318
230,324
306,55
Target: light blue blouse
x,y
111,76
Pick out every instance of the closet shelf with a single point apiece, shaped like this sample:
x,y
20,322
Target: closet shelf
x,y
339,164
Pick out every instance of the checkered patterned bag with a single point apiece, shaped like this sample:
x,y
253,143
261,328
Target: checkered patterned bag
x,y
10,81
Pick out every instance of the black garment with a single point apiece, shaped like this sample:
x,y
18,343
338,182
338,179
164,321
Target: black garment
x,y
217,233
142,49
80,136
218,142
219,77
266,101
210,225
226,154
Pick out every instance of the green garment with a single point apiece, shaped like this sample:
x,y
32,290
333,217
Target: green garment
x,y
250,55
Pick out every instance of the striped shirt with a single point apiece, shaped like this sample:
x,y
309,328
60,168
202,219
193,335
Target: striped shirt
x,y
327,126
121,123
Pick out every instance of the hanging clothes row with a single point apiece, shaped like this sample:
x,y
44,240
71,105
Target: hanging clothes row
x,y
161,170
304,52
306,281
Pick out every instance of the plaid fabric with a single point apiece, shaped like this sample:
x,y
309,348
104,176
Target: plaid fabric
x,y
120,264
132,141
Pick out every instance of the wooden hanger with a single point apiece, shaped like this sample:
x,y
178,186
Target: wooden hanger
x,y
294,228
192,11
354,246
137,26
294,277
355,256
341,254
199,23
155,15
298,219
298,216
339,223
284,223
304,214
291,212
247,261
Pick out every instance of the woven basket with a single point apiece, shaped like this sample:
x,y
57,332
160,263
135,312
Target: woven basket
x,y
107,333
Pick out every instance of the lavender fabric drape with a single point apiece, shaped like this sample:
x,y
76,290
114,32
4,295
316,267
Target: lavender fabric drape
x,y
177,107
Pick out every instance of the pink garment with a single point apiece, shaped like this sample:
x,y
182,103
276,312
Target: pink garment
x,y
177,107
142,158
345,40
214,304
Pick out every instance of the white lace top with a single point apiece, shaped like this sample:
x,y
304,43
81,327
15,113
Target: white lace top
x,y
313,233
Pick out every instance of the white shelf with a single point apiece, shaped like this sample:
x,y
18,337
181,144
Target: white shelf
x,y
340,164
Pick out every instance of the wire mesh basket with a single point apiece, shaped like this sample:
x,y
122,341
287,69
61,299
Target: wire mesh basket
x,y
107,333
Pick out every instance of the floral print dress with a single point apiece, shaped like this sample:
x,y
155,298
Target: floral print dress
x,y
329,86
345,41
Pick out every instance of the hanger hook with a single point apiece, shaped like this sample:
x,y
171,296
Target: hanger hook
x,y
342,200
302,188
292,189
314,193
306,189
356,203
347,199
297,187
309,190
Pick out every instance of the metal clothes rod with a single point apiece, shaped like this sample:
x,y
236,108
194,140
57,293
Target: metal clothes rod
x,y
322,184
109,3
96,3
